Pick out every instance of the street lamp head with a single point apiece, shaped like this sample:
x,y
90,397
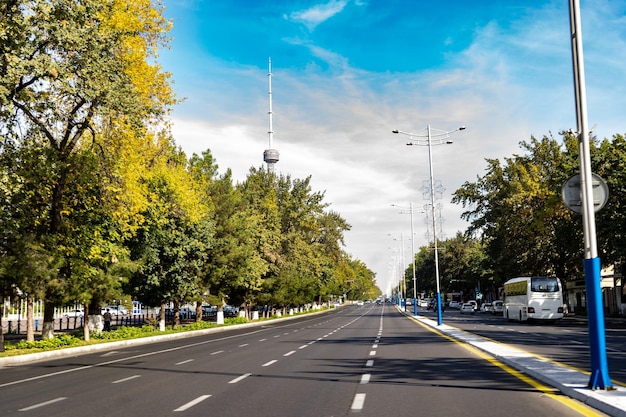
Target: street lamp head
x,y
462,128
449,142
395,131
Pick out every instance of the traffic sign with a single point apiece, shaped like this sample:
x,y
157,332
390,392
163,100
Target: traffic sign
x,y
572,193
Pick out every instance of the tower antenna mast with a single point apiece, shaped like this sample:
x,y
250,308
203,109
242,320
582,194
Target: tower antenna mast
x,y
270,155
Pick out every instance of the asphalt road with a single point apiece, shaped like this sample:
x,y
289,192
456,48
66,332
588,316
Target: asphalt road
x,y
368,360
566,341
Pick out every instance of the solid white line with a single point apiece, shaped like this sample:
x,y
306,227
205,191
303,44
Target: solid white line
x,y
32,407
192,403
125,379
365,378
239,378
184,362
357,403
125,359
369,363
270,362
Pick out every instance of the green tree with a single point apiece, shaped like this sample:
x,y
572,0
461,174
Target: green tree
x,y
69,69
171,246
516,208
610,163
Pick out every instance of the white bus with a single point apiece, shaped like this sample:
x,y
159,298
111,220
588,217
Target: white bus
x,y
533,298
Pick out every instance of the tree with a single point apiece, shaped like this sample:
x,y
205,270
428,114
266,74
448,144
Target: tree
x,y
610,163
172,245
234,266
71,70
517,210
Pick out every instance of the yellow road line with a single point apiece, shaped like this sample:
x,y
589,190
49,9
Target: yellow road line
x,y
551,392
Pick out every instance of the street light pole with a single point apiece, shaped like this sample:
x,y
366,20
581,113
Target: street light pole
x,y
597,338
415,312
400,268
413,261
441,136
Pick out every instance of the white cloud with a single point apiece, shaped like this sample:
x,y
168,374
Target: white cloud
x,y
318,14
336,125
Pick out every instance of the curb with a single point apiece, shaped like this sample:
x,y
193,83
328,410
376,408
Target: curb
x,y
569,381
82,350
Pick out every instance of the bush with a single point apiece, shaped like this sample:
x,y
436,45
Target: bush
x,y
236,320
54,343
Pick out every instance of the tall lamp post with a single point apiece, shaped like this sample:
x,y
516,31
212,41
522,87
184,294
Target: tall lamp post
x,y
597,338
439,137
410,208
400,268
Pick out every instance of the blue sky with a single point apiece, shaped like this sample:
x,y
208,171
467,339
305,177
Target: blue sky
x,y
347,72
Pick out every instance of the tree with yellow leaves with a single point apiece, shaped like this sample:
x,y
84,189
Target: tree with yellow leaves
x,y
78,77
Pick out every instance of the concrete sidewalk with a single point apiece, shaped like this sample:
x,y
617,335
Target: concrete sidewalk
x,y
569,381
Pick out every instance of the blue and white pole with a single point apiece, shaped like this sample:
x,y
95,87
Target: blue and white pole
x,y
597,337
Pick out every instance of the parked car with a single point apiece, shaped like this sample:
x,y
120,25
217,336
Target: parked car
x,y
209,311
115,310
486,308
424,302
498,307
467,308
231,311
78,312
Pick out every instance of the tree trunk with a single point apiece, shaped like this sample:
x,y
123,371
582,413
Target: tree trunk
x,y
86,323
162,317
176,319
30,320
1,333
220,312
198,311
47,331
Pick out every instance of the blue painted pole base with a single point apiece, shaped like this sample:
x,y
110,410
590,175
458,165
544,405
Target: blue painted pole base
x,y
597,334
438,302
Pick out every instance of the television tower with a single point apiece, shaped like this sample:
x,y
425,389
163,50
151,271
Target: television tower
x,y
270,155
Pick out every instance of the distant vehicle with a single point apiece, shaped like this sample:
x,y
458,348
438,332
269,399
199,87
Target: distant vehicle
x,y
424,302
115,310
359,303
467,308
533,298
230,311
454,304
498,307
209,311
74,313
473,303
486,308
